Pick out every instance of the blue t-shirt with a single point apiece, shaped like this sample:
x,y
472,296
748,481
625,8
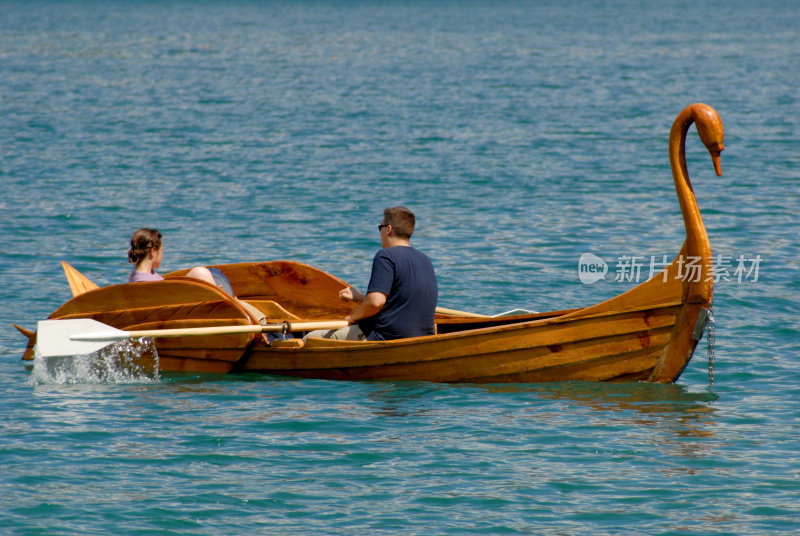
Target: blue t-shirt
x,y
405,275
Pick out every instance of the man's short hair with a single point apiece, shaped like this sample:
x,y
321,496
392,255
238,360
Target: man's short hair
x,y
401,219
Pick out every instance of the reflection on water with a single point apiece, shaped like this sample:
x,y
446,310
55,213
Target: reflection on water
x,y
636,400
638,396
673,420
668,417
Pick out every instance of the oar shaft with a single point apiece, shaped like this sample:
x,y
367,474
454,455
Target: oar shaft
x,y
210,330
188,332
311,326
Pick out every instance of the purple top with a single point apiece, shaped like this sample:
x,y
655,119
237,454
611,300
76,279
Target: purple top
x,y
137,277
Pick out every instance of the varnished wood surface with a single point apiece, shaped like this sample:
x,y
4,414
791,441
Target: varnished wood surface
x,y
556,349
78,283
304,291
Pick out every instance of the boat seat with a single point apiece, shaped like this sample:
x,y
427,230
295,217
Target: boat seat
x,y
287,343
252,310
271,310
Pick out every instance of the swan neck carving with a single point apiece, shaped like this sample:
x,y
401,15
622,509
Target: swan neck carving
x,y
709,128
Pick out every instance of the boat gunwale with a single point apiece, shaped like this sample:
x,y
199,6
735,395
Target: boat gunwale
x,y
332,345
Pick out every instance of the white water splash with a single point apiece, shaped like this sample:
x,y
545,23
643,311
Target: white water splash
x,y
127,361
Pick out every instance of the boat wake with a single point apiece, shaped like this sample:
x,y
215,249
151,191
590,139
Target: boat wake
x,y
127,361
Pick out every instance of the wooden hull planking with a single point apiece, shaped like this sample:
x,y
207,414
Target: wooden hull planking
x,y
622,346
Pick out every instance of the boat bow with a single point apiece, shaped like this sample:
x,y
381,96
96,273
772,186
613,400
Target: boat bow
x,y
698,286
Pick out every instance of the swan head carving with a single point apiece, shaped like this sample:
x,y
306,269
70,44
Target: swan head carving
x,y
709,127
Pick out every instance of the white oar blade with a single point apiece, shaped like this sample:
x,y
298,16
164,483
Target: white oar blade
x,y
53,337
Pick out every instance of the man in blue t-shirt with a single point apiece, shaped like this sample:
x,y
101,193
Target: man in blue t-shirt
x,y
401,296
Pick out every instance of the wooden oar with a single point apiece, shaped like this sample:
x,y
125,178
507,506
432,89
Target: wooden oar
x,y
79,336
453,312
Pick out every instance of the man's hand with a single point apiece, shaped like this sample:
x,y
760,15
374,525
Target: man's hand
x,y
351,294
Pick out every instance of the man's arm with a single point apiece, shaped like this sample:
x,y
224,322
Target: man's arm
x,y
372,303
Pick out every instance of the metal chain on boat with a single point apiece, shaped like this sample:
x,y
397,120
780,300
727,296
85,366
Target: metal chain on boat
x,y
705,323
711,329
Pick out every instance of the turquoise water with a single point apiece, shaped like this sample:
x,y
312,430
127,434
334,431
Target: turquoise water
x,y
523,134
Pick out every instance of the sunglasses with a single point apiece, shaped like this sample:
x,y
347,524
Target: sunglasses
x,y
381,226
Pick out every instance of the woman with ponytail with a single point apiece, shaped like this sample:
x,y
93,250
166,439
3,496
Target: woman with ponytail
x,y
146,253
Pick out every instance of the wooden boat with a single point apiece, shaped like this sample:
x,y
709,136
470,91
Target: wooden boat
x,y
645,334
